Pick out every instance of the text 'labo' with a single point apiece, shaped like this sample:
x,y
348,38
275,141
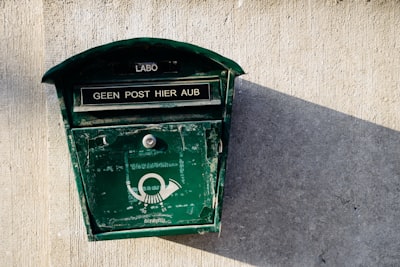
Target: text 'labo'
x,y
146,67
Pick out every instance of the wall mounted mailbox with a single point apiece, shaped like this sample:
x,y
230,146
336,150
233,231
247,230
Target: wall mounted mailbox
x,y
147,122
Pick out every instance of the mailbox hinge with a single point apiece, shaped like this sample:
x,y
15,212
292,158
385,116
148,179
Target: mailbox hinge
x,y
215,202
220,146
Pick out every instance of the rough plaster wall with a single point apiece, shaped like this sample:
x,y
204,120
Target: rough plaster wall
x,y
313,174
23,128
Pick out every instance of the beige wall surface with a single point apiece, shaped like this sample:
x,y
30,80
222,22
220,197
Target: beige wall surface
x,y
24,210
314,160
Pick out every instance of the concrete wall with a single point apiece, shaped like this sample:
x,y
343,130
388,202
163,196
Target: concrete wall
x,y
314,176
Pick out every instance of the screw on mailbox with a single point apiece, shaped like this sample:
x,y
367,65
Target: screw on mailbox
x,y
149,141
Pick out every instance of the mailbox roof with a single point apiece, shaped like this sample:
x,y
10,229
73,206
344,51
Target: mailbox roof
x,y
72,65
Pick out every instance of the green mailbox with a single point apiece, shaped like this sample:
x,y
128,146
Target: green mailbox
x,y
147,122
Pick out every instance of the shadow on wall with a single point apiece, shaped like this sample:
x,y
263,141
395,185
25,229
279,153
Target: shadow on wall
x,y
306,186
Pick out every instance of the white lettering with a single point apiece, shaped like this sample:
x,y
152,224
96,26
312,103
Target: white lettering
x,y
115,95
146,93
165,93
105,95
137,94
96,95
155,220
169,93
191,92
138,68
158,93
146,67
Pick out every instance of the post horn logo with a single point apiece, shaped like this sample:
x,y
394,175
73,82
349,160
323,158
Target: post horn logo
x,y
157,198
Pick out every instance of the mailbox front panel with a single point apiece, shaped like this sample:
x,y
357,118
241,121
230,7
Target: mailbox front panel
x,y
129,186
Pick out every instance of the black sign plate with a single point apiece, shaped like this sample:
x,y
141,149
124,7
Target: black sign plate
x,y
101,95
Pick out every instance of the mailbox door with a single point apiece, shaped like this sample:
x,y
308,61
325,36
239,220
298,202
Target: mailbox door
x,y
129,186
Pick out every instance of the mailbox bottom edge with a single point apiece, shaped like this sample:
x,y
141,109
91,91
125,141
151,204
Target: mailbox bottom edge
x,y
157,231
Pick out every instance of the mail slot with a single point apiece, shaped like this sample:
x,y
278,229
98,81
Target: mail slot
x,y
147,123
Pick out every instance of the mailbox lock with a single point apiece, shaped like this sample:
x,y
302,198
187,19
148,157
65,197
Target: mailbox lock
x,y
149,141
